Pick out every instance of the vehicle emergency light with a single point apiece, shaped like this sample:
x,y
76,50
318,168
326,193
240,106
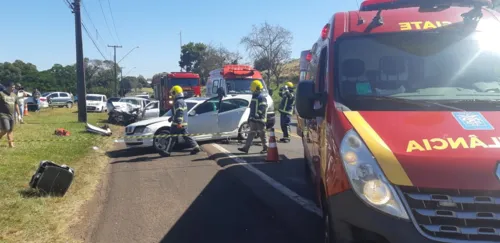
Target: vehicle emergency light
x,y
238,70
371,5
309,57
325,31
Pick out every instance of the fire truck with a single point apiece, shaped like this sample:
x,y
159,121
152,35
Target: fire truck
x,y
190,83
236,80
401,108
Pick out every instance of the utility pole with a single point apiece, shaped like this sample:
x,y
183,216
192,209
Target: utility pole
x,y
116,75
180,40
80,74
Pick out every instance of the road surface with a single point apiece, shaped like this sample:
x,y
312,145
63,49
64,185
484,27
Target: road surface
x,y
188,198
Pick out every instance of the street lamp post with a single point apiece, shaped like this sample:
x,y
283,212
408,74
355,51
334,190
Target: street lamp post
x,y
128,53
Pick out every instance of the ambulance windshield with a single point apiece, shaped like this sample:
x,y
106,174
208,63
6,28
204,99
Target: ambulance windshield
x,y
241,86
449,69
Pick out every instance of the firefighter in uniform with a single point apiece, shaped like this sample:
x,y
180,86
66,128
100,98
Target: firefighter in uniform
x,y
179,123
286,110
258,117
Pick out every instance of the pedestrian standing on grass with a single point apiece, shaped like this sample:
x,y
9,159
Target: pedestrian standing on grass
x,y
9,105
20,96
36,96
257,118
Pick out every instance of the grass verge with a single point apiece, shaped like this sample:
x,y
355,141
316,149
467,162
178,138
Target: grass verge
x,y
25,217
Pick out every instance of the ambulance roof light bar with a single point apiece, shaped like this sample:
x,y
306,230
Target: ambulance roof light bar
x,y
372,5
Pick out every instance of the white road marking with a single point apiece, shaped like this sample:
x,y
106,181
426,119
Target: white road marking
x,y
305,203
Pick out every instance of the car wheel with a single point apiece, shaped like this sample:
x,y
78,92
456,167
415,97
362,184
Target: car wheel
x,y
243,131
69,105
159,141
102,109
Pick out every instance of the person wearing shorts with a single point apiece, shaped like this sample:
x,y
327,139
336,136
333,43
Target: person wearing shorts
x,y
9,105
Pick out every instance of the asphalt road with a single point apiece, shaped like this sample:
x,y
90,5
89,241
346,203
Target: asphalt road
x,y
188,198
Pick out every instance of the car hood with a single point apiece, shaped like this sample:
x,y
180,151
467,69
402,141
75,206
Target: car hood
x,y
151,121
458,150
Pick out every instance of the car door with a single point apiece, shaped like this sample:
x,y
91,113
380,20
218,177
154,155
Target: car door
x,y
63,98
203,119
151,111
53,98
230,113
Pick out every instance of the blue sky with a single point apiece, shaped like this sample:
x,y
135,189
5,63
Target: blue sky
x,y
42,32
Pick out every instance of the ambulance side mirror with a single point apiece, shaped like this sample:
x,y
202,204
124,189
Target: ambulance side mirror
x,y
306,98
271,92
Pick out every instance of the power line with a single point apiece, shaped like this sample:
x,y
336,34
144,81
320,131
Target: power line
x,y
105,20
92,22
113,19
90,37
69,4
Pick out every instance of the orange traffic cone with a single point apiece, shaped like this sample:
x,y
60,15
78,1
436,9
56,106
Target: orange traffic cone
x,y
26,113
272,150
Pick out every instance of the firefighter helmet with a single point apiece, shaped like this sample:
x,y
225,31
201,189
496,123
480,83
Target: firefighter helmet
x,y
176,90
289,85
256,86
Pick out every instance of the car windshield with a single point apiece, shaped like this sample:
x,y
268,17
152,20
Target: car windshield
x,y
94,98
184,82
190,106
130,101
439,70
241,86
45,94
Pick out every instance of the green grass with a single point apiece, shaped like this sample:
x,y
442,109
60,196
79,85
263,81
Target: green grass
x,y
26,217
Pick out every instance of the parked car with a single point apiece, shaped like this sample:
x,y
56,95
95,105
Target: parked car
x,y
57,99
230,121
96,102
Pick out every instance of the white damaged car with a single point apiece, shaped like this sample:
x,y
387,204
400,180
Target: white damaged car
x,y
205,121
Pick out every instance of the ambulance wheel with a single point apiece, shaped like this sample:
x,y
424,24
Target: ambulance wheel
x,y
307,170
334,231
243,131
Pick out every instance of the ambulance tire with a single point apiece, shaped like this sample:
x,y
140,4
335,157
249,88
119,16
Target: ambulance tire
x,y
331,231
307,169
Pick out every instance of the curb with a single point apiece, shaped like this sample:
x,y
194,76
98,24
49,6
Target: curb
x,y
304,224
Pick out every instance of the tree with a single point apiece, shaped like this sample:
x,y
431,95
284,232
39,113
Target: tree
x,y
271,42
261,64
201,58
99,76
216,57
191,54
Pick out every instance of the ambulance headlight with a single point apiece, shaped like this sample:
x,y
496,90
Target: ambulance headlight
x,y
366,177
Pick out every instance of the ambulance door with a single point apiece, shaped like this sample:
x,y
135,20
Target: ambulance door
x,y
316,125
